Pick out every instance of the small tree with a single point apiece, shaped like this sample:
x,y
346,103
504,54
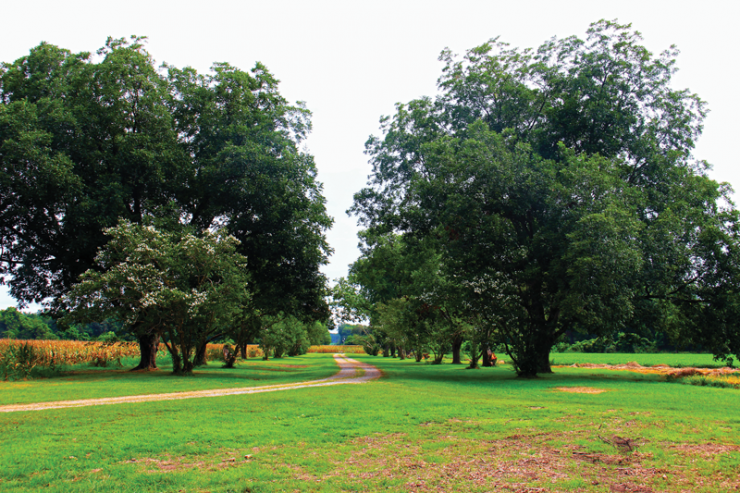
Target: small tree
x,y
284,335
178,286
318,333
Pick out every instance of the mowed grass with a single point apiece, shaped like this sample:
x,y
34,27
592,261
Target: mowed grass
x,y
88,382
419,428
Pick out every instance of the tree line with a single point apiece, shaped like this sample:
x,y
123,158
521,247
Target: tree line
x,y
545,192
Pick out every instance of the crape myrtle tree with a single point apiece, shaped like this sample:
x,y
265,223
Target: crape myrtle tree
x,y
179,286
562,189
86,140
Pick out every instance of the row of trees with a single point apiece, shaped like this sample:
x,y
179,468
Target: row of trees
x,y
189,190
545,191
15,324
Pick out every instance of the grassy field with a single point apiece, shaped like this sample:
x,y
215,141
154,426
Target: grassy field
x,y
645,359
420,428
88,382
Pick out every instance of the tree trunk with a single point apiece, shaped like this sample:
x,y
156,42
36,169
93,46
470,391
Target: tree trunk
x,y
457,343
187,366
487,355
148,345
544,360
534,358
474,355
230,359
243,350
176,361
200,355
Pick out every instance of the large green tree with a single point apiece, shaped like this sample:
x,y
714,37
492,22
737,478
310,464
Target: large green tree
x,y
561,185
86,140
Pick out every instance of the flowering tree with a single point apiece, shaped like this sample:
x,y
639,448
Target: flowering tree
x,y
87,140
181,288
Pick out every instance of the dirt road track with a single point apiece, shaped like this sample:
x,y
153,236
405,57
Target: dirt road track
x,y
350,371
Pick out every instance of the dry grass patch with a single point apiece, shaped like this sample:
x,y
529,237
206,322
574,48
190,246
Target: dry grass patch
x,y
522,463
658,369
448,460
581,390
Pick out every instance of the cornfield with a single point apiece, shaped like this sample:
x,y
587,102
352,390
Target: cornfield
x,y
51,353
19,358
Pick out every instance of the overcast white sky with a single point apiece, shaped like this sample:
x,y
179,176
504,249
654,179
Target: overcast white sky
x,y
352,61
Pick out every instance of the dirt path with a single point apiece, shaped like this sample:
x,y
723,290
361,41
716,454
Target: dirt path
x,y
350,371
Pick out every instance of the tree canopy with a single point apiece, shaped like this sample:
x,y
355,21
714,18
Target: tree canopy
x,y
88,139
560,187
182,286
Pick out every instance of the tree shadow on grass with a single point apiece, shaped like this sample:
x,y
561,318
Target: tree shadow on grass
x,y
506,376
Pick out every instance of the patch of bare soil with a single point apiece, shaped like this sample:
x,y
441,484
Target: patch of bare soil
x,y
704,450
519,463
581,390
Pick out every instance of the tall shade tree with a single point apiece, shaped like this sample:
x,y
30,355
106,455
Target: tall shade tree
x,y
562,185
247,174
86,140
82,144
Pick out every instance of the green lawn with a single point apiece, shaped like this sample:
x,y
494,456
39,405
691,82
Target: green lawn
x,y
420,428
645,359
87,382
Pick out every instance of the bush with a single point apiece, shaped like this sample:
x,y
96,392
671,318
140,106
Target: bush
x,y
109,336
622,343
